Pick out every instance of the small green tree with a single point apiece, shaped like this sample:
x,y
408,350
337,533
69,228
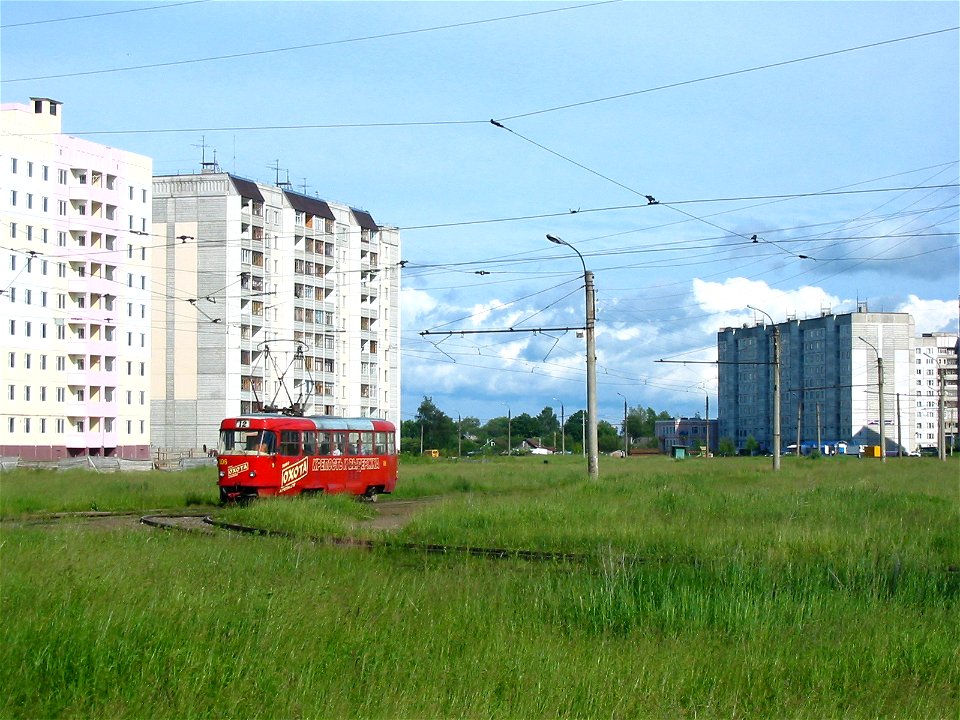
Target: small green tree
x,y
752,446
726,448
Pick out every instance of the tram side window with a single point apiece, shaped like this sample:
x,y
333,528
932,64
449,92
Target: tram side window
x,y
326,443
385,443
338,444
366,443
310,443
290,443
353,444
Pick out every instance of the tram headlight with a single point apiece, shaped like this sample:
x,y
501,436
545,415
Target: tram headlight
x,y
222,474
253,473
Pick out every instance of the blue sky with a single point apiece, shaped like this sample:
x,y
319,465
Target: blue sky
x,y
821,128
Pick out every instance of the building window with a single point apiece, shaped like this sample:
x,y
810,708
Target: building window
x,y
13,197
13,165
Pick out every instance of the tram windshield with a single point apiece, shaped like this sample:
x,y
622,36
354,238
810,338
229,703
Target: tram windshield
x,y
248,442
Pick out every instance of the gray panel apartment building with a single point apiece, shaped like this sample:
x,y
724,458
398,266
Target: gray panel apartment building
x,y
829,386
259,283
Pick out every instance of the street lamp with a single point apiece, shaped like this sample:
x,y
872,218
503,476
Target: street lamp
x,y
593,466
509,446
563,432
625,446
776,388
883,439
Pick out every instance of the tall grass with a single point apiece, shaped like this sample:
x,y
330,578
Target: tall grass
x,y
25,491
148,624
716,589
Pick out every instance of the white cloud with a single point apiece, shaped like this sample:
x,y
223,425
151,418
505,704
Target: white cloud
x,y
728,301
931,315
416,303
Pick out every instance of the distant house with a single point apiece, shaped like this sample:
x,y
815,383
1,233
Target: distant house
x,y
693,433
535,447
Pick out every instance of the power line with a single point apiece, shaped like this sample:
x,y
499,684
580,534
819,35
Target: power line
x,y
732,73
308,46
670,203
103,14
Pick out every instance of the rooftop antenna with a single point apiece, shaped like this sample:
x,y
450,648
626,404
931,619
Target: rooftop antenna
x,y
206,167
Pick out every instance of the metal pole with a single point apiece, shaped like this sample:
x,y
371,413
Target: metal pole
x,y
625,447
819,440
593,464
883,439
590,441
883,424
799,422
942,415
776,397
708,424
776,389
899,430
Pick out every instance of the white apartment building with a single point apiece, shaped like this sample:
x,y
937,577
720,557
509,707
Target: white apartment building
x,y
75,291
829,381
935,391
263,284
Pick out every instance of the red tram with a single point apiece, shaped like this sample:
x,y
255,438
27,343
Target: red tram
x,y
268,454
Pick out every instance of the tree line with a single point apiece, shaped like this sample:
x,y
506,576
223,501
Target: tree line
x,y
433,429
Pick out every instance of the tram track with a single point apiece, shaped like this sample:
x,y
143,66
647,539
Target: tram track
x,y
207,525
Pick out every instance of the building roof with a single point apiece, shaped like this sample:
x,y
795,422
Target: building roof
x,y
246,188
314,206
364,219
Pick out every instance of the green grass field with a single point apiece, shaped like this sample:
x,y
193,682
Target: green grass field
x,y
708,589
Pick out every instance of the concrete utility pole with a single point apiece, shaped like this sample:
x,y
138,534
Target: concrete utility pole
x,y
799,422
626,447
708,425
563,432
883,429
942,414
776,388
590,441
